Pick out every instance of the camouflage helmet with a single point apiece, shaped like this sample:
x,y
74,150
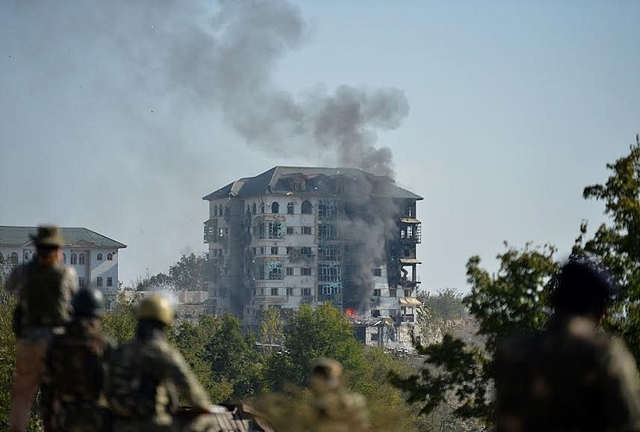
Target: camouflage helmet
x,y
156,307
326,374
584,285
88,302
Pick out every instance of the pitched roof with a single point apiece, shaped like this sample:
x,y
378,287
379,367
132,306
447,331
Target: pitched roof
x,y
269,182
20,235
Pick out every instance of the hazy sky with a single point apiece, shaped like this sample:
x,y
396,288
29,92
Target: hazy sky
x,y
119,116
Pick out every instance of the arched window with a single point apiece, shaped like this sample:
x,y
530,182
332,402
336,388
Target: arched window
x,y
253,208
215,210
99,257
13,258
248,209
81,259
26,256
262,208
64,258
74,258
305,208
109,257
275,208
290,208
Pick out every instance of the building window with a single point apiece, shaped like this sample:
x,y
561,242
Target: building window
x,y
377,272
290,230
329,273
306,230
26,256
248,209
305,208
99,281
109,281
376,292
289,291
81,258
306,291
274,250
74,258
393,292
305,250
274,270
275,208
327,231
109,257
261,208
274,291
289,271
13,258
81,282
329,289
275,230
305,271
407,293
253,208
328,253
64,258
99,257
290,208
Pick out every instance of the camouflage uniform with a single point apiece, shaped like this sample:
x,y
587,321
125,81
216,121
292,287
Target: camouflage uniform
x,y
156,370
569,377
335,409
44,294
72,382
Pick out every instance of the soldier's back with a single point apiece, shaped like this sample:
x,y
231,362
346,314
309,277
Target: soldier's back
x,y
569,377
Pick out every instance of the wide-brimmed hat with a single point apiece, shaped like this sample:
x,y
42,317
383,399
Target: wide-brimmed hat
x,y
48,236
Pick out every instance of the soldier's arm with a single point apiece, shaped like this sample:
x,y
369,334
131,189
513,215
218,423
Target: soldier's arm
x,y
622,386
185,381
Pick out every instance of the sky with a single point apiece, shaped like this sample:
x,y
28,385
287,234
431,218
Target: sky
x,y
120,116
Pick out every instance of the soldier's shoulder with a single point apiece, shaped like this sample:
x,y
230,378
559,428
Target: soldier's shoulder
x,y
68,271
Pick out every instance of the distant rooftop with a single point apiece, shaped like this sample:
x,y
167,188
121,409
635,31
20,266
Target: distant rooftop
x,y
20,236
281,180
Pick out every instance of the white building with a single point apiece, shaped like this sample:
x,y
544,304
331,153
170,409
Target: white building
x,y
94,256
286,237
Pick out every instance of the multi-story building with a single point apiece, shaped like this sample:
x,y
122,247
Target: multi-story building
x,y
294,235
94,256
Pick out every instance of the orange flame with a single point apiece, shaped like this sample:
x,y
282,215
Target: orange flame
x,y
351,313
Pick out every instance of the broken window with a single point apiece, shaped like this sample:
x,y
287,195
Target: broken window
x,y
275,230
275,208
290,208
327,209
305,208
329,272
274,250
329,253
258,271
258,231
274,270
327,231
330,289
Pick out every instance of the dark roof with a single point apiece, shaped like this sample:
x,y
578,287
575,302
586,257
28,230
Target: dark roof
x,y
269,182
19,235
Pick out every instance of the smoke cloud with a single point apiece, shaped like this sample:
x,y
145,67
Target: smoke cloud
x,y
116,107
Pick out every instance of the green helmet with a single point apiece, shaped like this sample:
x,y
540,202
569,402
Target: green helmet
x,y
88,302
156,307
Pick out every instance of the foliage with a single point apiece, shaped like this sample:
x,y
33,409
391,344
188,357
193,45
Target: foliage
x,y
507,302
120,323
447,304
188,274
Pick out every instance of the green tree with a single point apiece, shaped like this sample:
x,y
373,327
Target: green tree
x,y
120,323
271,332
188,273
507,302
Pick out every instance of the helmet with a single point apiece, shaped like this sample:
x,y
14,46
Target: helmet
x,y
326,374
156,307
584,285
88,302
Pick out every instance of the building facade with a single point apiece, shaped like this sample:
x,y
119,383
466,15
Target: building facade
x,y
293,236
92,255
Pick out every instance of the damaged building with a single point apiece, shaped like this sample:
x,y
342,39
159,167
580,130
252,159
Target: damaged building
x,y
293,236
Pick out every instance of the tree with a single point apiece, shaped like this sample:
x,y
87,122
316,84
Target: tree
x,y
188,274
120,323
507,302
271,331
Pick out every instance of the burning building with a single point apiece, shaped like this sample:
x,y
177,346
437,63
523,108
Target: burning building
x,y
292,235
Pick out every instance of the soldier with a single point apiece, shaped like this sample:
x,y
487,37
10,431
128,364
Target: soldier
x,y
335,408
44,288
570,376
144,374
73,377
